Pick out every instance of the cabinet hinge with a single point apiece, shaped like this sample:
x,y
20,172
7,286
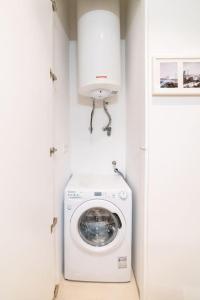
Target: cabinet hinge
x,y
56,289
53,76
55,221
54,6
52,151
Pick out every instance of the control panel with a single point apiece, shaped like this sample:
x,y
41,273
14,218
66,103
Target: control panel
x,y
74,195
78,195
96,194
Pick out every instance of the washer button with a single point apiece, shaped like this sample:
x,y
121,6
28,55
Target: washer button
x,y
123,195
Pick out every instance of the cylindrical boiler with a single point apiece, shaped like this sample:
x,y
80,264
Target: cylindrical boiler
x,y
99,66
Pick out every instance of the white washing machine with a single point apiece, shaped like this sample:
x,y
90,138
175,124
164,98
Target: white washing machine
x,y
98,222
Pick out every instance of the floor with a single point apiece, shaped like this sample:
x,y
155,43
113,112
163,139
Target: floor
x,y
72,290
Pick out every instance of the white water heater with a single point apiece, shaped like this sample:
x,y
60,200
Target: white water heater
x,y
99,66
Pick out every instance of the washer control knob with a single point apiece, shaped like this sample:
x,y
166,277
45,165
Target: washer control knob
x,y
123,195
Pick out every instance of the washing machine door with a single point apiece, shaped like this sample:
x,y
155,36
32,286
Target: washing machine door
x,y
98,226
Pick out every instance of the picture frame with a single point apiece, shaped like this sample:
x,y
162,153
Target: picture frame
x,y
176,76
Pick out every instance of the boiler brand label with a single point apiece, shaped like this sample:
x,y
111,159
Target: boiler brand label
x,y
101,76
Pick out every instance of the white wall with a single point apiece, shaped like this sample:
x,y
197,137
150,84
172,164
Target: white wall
x,y
135,164
95,153
174,162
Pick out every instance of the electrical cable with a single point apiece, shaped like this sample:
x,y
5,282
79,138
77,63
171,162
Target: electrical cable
x,y
91,117
108,127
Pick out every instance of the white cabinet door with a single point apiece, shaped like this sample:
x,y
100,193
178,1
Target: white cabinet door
x,y
61,124
26,244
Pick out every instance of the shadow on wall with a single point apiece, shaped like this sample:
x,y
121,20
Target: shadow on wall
x,y
61,9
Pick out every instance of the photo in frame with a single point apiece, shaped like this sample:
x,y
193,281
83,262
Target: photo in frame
x,y
176,76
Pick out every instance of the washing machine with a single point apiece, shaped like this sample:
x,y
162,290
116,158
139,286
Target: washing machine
x,y
97,229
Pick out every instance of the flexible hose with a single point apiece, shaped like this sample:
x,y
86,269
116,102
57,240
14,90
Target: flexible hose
x,y
114,163
92,115
119,173
108,126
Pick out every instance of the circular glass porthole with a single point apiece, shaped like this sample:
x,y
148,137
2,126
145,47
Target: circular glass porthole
x,y
98,226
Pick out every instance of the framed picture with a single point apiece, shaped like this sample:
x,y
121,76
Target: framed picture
x,y
176,76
